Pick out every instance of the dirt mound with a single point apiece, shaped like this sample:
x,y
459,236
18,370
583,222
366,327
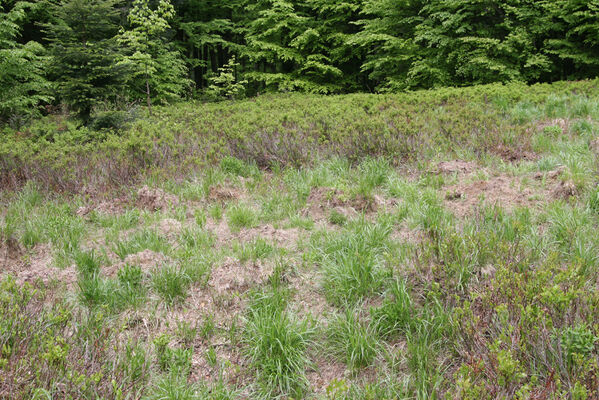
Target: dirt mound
x,y
508,192
111,207
323,200
559,189
563,124
502,190
10,250
220,229
564,190
155,199
223,194
456,167
553,174
286,237
404,234
514,154
169,227
231,275
38,267
147,260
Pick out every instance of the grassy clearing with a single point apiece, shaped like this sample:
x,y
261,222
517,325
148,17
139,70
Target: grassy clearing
x,y
470,272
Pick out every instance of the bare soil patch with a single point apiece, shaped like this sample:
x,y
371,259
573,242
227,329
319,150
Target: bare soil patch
x,y
564,124
109,207
507,191
154,199
308,299
169,227
463,198
37,266
325,372
323,200
514,153
232,275
456,167
223,193
147,260
282,237
10,251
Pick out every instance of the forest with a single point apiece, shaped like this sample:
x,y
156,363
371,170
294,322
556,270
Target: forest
x,y
91,56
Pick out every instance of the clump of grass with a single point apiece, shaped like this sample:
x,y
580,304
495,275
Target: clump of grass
x,y
298,221
171,284
396,314
197,267
337,218
132,290
372,173
172,386
139,241
352,262
276,344
116,294
216,212
235,166
126,220
196,239
255,250
352,340
277,206
241,216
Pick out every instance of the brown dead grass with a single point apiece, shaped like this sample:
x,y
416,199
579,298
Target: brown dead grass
x,y
37,265
155,199
147,260
231,275
323,200
509,192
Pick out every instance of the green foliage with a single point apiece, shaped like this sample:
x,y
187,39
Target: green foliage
x,y
84,53
396,314
352,263
241,216
352,340
237,47
23,84
171,284
157,69
276,345
225,84
235,166
578,340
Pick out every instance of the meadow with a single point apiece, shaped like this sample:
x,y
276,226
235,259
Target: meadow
x,y
435,244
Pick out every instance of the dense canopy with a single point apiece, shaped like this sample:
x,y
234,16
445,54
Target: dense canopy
x,y
109,53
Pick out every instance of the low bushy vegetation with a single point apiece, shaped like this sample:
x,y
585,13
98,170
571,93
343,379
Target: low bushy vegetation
x,y
276,131
467,269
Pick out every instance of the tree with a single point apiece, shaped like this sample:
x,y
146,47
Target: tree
x,y
336,24
84,53
574,45
23,85
150,57
387,36
225,84
208,35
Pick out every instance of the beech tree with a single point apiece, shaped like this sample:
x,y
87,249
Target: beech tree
x,y
148,54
